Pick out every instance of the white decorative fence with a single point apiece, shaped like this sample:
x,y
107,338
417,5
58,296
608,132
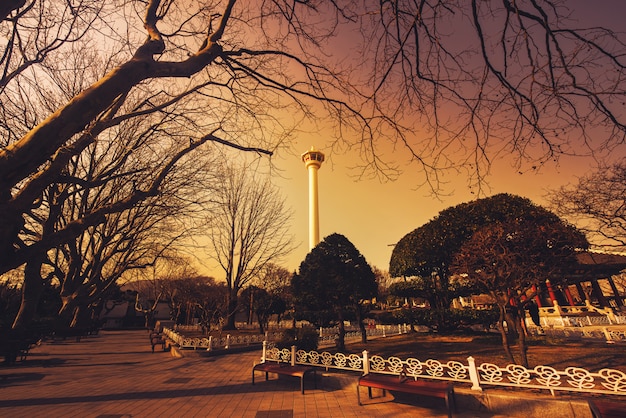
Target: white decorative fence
x,y
327,336
214,343
572,379
565,320
607,333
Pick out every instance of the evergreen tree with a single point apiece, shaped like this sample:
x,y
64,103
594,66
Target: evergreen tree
x,y
333,280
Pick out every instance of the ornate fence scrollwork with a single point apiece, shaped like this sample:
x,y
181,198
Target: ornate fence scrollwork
x,y
414,367
457,370
578,378
518,375
434,368
490,373
613,380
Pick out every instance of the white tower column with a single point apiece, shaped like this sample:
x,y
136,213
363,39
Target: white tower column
x,y
312,161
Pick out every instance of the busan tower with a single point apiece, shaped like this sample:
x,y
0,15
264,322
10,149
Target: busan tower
x,y
313,161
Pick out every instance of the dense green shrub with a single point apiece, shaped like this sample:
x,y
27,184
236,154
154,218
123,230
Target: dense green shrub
x,y
442,320
305,338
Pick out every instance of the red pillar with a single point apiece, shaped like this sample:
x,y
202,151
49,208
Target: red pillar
x,y
550,291
569,297
537,298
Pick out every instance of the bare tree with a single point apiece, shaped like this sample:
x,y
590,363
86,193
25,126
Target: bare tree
x,y
276,281
597,205
132,238
273,278
492,78
192,296
248,230
153,283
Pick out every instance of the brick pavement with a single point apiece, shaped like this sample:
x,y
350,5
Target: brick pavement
x,y
115,375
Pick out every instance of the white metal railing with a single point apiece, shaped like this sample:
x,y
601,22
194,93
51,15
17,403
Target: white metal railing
x,y
580,321
329,335
572,379
610,334
210,343
188,328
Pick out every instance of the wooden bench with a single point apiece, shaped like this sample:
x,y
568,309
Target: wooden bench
x,y
601,408
405,384
14,349
285,369
157,339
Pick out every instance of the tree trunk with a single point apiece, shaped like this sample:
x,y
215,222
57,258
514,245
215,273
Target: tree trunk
x,y
521,335
504,334
341,336
359,318
76,318
231,312
31,292
68,304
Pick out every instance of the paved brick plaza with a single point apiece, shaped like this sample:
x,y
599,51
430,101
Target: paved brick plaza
x,y
114,374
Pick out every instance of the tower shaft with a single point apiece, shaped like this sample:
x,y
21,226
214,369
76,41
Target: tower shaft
x,y
314,212
313,160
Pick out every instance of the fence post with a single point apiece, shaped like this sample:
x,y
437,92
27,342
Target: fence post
x,y
293,355
607,335
610,315
263,356
227,342
384,331
321,332
210,343
366,362
473,372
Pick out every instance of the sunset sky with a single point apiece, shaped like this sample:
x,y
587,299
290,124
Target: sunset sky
x,y
374,215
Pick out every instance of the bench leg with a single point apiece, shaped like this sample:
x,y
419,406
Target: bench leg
x,y
266,375
314,380
369,393
447,399
450,403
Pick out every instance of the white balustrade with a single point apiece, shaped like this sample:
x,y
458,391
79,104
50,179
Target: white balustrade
x,y
572,379
212,343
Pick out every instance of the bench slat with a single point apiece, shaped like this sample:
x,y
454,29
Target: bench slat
x,y
408,385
